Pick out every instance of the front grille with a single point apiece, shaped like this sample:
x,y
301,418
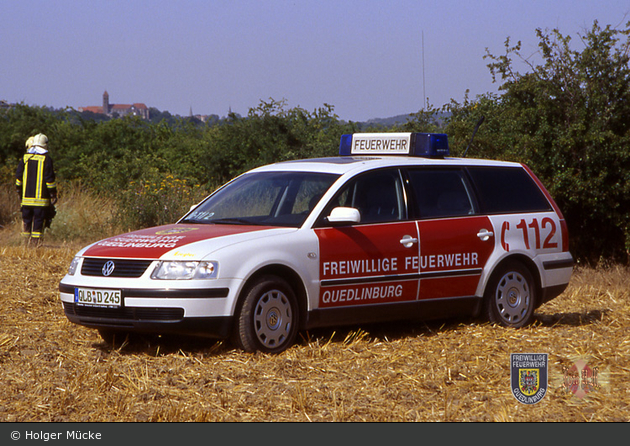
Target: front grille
x,y
125,313
122,268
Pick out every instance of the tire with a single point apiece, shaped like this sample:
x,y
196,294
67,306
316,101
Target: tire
x,y
510,297
268,318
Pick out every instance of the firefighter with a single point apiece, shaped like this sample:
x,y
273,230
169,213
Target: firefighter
x,y
29,143
35,183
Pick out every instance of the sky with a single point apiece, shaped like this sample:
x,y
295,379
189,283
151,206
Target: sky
x,y
367,58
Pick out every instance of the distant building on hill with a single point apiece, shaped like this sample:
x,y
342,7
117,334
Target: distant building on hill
x,y
137,109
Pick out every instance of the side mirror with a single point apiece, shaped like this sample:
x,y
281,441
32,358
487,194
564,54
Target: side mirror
x,y
343,215
194,206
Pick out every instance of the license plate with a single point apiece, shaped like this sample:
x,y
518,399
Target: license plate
x,y
98,297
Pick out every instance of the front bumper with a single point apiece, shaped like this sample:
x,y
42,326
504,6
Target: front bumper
x,y
159,311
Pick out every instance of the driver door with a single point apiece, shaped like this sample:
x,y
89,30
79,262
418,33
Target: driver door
x,y
374,261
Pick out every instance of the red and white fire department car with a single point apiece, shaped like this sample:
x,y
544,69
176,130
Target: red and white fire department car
x,y
391,229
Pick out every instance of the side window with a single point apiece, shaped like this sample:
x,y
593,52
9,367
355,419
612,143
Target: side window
x,y
377,195
441,193
506,190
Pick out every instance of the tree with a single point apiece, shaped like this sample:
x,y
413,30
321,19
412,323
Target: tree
x,y
270,133
20,121
569,119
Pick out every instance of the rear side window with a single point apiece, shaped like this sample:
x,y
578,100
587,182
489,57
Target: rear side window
x,y
441,193
507,190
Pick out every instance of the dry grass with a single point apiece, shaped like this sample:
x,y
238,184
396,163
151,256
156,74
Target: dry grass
x,y
82,216
56,371
9,205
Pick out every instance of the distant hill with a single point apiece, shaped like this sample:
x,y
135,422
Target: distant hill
x,y
387,122
400,120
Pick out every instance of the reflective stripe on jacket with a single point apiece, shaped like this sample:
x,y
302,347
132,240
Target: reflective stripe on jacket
x,y
35,179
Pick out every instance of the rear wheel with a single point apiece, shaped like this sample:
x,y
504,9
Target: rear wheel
x,y
268,318
511,296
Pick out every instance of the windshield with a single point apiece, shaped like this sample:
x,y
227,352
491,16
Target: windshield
x,y
264,198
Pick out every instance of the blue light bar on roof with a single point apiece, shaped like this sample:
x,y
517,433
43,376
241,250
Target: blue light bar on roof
x,y
429,145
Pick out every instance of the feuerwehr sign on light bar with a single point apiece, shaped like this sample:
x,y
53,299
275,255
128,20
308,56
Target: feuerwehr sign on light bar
x,y
381,143
431,145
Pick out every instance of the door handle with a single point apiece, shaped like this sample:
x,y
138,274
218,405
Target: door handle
x,y
485,235
407,241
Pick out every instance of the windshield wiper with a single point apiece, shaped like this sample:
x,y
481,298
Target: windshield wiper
x,y
231,221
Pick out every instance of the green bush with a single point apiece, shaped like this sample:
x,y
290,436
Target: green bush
x,y
156,201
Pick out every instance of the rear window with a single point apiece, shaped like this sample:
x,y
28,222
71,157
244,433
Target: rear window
x,y
441,193
507,190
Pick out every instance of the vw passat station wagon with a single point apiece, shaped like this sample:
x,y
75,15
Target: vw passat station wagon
x,y
391,229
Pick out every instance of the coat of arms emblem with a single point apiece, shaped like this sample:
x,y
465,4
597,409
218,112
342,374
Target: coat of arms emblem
x,y
528,381
528,376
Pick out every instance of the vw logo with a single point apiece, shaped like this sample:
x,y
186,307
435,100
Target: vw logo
x,y
108,268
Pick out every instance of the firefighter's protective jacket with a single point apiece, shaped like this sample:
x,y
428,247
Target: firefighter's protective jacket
x,y
35,179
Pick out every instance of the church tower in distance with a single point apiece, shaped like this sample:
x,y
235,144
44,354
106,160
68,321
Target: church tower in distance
x,y
105,103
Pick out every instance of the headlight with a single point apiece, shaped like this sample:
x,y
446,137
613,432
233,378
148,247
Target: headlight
x,y
73,266
177,270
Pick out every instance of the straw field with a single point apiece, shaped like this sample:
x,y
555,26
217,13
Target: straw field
x,y
441,371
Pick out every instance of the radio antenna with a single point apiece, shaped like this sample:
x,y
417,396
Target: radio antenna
x,y
424,88
473,134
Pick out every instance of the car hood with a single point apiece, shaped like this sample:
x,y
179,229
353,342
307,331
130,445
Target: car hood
x,y
153,243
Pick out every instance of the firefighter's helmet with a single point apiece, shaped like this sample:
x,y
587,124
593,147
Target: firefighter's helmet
x,y
40,140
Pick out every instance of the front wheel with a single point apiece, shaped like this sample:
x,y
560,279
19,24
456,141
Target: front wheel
x,y
511,296
268,318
